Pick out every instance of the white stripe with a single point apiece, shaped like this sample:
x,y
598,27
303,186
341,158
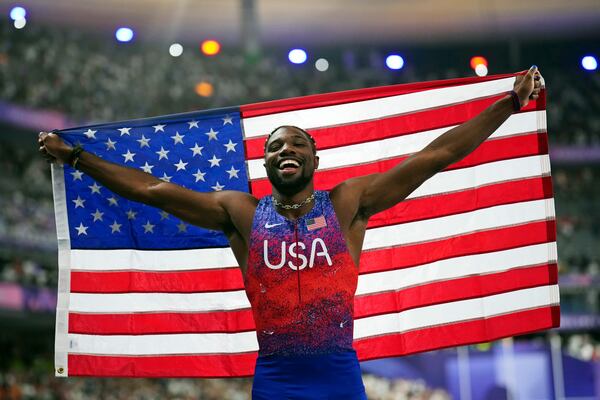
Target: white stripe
x,y
458,224
484,174
464,310
149,302
61,365
362,153
153,260
376,108
457,267
207,343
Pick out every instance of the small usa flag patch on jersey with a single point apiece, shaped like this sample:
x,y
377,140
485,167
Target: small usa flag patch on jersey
x,y
316,223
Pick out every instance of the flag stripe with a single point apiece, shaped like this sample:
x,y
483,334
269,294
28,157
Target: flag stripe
x,y
490,151
346,113
192,366
360,132
395,322
467,332
363,153
473,243
366,305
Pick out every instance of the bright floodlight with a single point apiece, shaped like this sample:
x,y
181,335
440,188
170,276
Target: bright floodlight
x,y
124,34
297,56
590,63
322,65
176,50
394,61
481,70
17,13
20,23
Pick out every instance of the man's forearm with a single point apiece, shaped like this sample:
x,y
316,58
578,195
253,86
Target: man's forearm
x,y
458,142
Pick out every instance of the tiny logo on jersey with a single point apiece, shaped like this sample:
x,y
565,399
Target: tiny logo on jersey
x,y
268,225
316,223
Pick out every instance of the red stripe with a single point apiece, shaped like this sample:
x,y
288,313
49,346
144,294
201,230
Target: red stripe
x,y
472,243
196,366
378,129
461,333
159,281
349,96
454,290
161,323
465,201
366,305
489,151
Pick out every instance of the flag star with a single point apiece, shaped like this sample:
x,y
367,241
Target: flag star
x,y
124,131
128,156
227,120
199,175
230,146
95,188
180,165
196,150
148,227
147,167
77,175
78,202
177,138
90,134
212,134
182,227
131,214
113,201
214,161
144,142
97,215
193,124
162,153
218,187
159,127
163,215
233,172
165,177
115,227
81,229
110,145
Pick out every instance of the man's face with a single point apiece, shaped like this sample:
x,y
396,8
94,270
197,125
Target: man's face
x,y
289,160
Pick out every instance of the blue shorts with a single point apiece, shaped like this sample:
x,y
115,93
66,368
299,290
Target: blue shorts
x,y
323,376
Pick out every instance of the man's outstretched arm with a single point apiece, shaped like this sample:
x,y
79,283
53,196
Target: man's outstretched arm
x,y
382,191
208,210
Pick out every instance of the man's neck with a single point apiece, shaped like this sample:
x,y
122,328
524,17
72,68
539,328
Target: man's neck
x,y
301,198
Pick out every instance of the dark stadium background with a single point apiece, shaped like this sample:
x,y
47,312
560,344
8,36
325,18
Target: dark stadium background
x,y
64,67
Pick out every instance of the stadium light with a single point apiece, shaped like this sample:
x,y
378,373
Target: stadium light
x,y
297,56
20,23
204,89
17,13
124,34
481,70
176,50
589,63
394,61
478,60
322,65
210,47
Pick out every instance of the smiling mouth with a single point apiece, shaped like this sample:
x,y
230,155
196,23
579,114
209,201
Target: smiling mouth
x,y
289,166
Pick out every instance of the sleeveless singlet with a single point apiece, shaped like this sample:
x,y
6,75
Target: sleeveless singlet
x,y
301,283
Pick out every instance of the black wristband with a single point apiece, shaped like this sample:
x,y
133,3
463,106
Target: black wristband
x,y
74,156
515,99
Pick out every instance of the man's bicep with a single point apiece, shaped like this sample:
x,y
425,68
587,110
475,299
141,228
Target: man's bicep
x,y
206,210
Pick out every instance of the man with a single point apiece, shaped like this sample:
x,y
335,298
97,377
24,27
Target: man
x,y
299,248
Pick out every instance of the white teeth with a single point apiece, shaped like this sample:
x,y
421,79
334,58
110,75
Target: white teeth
x,y
289,163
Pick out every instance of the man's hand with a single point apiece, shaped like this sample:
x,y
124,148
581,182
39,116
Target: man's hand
x,y
53,148
528,86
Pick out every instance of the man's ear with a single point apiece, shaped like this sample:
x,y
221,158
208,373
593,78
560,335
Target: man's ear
x,y
316,162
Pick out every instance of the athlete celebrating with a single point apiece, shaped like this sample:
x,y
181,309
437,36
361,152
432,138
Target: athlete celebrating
x,y
299,249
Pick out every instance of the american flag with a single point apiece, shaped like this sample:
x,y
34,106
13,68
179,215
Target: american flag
x,y
470,256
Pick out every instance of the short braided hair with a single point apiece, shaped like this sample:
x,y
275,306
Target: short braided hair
x,y
310,138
